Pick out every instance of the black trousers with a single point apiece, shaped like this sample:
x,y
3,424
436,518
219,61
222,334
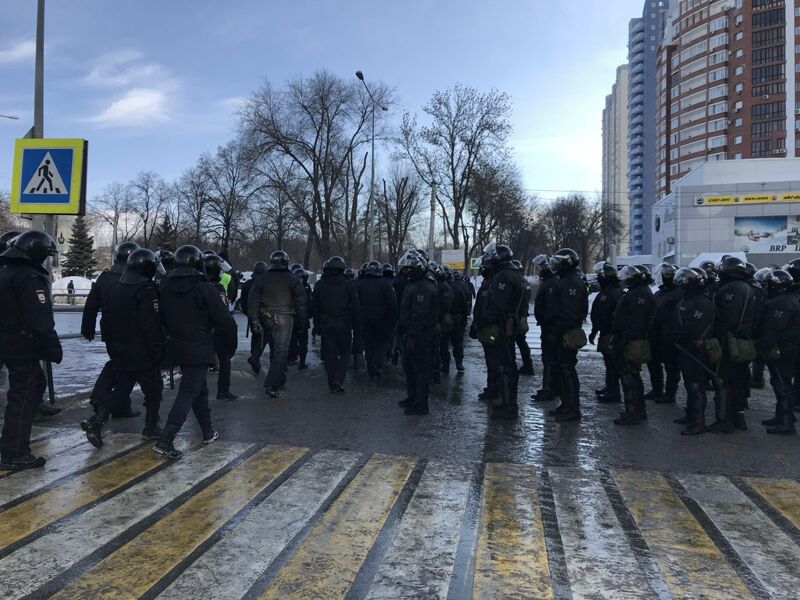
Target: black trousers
x,y
150,382
612,375
418,368
378,339
501,359
551,361
357,346
780,377
454,338
224,377
298,346
632,385
192,395
336,349
524,350
258,341
566,383
104,386
736,379
26,386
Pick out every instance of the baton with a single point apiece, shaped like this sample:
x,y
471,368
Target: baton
x,y
50,388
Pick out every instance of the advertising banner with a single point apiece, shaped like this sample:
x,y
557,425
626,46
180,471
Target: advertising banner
x,y
763,235
711,200
453,259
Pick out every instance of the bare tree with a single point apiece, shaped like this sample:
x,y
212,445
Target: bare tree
x,y
150,194
397,209
192,199
574,222
8,220
466,126
114,206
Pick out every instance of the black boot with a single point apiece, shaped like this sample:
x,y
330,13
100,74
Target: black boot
x,y
739,421
93,426
544,395
22,463
722,409
527,369
165,446
152,430
696,411
405,403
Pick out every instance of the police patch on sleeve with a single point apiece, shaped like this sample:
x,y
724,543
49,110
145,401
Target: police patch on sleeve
x,y
41,296
155,305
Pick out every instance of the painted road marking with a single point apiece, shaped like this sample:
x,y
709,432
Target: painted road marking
x,y
53,444
420,561
692,566
327,561
61,465
133,569
782,494
600,561
36,563
23,519
768,551
230,567
511,559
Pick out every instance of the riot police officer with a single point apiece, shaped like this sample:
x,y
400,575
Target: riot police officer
x,y
602,317
793,268
734,325
27,336
567,308
97,301
524,312
630,346
547,281
501,316
712,283
399,284
445,320
298,347
136,344
214,267
759,287
388,271
193,311
335,309
379,311
166,259
692,322
358,334
276,300
491,391
459,313
257,342
778,343
419,321
663,355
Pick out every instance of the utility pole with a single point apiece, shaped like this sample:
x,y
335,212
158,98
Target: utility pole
x,y
433,218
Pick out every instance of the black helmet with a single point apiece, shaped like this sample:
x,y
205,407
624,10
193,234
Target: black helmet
x,y
542,263
388,270
166,258
762,275
448,273
374,269
633,275
299,270
214,266
779,280
484,266
517,264
564,260
362,270
36,245
733,268
335,263
648,275
605,271
665,273
690,279
794,269
278,261
497,253
145,263
6,238
710,268
458,276
437,270
189,256
259,268
123,251
349,273
422,253
413,264
751,270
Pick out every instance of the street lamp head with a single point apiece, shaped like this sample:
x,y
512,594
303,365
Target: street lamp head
x,y
12,117
360,75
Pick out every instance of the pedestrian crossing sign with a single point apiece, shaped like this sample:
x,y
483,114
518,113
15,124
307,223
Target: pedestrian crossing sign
x,y
49,176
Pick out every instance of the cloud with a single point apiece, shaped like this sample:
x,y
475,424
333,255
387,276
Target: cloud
x,y
138,106
233,104
18,51
143,90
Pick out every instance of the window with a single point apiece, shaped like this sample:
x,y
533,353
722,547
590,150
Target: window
x,y
737,139
770,73
718,74
768,55
737,156
737,122
673,154
770,37
718,92
717,141
739,70
767,90
717,125
797,124
769,18
768,110
718,40
738,88
738,106
760,149
765,129
717,156
719,107
718,57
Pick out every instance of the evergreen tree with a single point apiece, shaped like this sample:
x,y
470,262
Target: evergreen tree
x,y
79,259
166,234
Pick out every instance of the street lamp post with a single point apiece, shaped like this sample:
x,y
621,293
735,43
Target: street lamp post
x,y
370,248
12,117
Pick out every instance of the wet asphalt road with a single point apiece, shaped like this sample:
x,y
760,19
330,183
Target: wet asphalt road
x,y
367,419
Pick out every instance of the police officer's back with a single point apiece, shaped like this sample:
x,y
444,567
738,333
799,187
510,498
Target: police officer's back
x,y
27,336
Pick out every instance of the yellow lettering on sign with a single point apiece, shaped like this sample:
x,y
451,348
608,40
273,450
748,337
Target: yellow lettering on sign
x,y
791,197
758,198
719,199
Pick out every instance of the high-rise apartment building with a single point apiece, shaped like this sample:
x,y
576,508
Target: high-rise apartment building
x,y
644,38
615,163
726,84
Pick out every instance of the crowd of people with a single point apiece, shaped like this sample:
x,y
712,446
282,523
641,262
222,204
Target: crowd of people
x,y
170,310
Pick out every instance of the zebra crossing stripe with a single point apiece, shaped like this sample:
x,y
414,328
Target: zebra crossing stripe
x,y
24,482
420,560
230,567
23,519
36,563
49,445
327,561
782,494
690,562
600,561
133,569
511,559
764,548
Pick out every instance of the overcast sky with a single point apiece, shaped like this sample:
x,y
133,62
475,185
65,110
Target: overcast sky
x,y
153,84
